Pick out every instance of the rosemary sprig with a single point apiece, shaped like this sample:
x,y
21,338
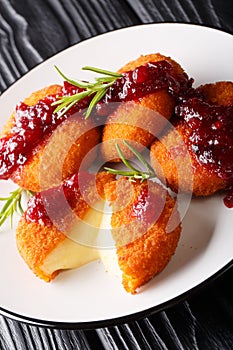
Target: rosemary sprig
x,y
98,89
133,173
12,205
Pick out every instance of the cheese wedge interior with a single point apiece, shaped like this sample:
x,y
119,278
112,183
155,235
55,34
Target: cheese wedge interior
x,y
85,244
79,248
107,246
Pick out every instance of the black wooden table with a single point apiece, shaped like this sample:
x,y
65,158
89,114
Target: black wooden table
x,y
30,32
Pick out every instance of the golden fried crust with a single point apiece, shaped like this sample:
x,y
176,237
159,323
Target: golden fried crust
x,y
171,160
179,166
220,93
154,57
147,255
139,121
35,241
39,94
59,155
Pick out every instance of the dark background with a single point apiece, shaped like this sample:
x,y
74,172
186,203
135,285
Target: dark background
x,y
30,32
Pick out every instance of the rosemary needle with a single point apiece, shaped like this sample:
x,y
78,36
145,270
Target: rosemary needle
x,y
98,89
133,173
12,205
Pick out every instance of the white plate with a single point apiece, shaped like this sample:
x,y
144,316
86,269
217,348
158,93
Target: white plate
x,y
90,297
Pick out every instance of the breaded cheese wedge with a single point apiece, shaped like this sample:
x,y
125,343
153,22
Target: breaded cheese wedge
x,y
59,155
146,229
174,160
141,120
60,226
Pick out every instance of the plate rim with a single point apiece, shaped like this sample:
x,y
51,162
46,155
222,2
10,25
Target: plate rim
x,y
167,23
117,321
85,325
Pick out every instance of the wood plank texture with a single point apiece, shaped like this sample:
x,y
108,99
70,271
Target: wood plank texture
x,y
30,32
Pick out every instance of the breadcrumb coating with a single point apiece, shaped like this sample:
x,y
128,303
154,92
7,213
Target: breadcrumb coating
x,y
171,160
36,240
57,156
139,121
220,93
144,254
171,157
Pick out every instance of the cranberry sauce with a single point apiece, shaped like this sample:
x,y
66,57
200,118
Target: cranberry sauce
x,y
210,135
145,80
33,123
55,204
148,206
228,200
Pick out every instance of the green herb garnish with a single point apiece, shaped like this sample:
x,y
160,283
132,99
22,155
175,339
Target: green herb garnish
x,y
98,89
13,205
133,173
